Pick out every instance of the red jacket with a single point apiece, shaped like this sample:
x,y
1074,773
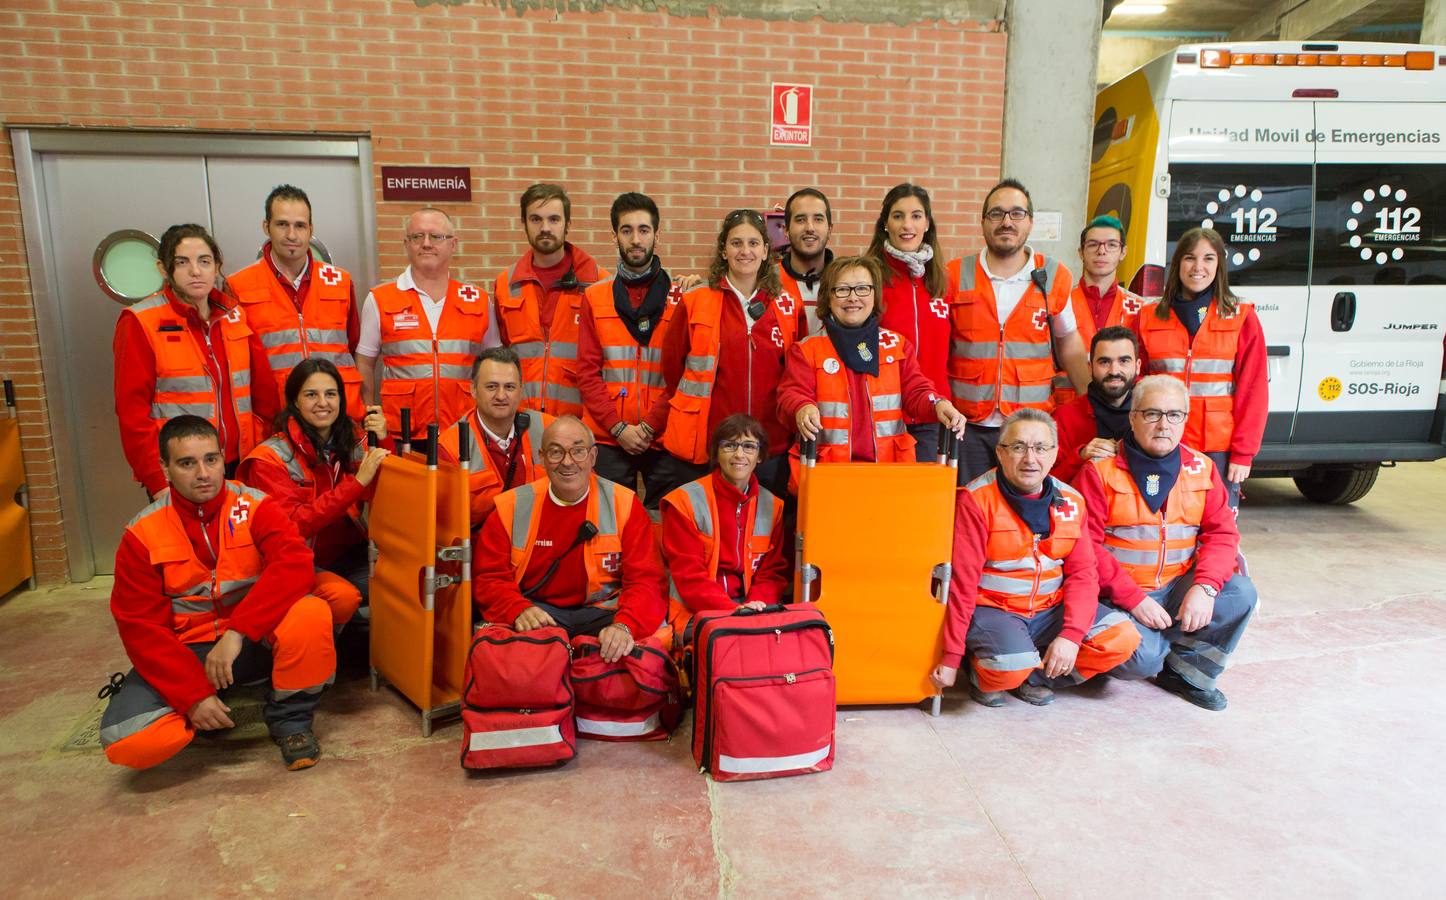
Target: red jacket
x,y
924,321
1215,548
135,388
971,537
1076,424
688,563
799,387
750,365
143,612
1252,398
320,503
641,604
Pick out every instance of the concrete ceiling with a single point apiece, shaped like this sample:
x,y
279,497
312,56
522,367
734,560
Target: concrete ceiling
x,y
1266,19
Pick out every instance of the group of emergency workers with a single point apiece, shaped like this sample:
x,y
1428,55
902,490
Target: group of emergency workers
x,y
638,435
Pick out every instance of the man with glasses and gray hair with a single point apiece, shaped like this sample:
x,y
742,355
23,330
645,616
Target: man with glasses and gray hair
x,y
1166,547
572,550
1011,320
426,328
1024,592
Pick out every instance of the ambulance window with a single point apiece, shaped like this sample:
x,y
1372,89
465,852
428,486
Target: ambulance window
x,y
1380,224
1261,210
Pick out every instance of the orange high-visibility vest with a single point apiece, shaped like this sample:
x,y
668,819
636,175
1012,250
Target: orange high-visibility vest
x,y
892,442
686,435
484,482
202,598
632,373
1023,574
608,507
1154,547
1124,305
183,385
549,358
1007,365
291,335
698,501
1206,365
430,374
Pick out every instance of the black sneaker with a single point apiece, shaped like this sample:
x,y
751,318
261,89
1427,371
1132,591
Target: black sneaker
x,y
1034,694
991,699
1210,699
300,750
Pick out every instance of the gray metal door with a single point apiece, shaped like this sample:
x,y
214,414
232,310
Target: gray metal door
x,y
78,198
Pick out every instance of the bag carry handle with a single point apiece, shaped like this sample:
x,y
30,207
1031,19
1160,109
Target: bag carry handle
x,y
589,649
749,611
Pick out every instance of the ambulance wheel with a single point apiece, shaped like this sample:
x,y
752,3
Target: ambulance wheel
x,y
1337,485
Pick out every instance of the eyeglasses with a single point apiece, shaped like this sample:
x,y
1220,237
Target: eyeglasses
x,y
1016,214
554,454
1018,448
1112,246
735,446
842,291
1173,416
423,237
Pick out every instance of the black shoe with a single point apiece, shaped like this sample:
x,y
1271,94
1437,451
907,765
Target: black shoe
x,y
1205,699
300,750
991,699
1034,694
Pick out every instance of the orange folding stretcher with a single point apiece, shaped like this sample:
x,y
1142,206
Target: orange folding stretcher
x,y
17,566
875,542
421,576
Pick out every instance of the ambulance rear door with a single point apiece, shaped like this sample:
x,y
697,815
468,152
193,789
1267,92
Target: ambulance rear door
x,y
1377,315
1245,168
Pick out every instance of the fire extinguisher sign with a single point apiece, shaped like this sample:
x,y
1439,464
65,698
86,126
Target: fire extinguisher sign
x,y
791,121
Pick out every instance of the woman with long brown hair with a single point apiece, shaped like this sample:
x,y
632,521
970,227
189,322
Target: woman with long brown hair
x,y
185,350
1203,334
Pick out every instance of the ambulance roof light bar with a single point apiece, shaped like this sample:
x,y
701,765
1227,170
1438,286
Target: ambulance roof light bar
x,y
1225,58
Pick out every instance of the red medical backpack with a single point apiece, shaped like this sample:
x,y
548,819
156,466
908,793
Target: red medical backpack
x,y
517,706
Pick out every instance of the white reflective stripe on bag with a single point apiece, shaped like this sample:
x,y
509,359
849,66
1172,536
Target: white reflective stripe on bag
x,y
609,728
741,765
540,736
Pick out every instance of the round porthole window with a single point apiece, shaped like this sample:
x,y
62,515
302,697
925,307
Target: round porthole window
x,y
125,266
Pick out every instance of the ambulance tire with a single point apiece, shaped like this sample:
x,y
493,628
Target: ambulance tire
x,y
1337,485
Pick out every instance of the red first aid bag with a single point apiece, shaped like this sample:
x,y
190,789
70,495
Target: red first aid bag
x,y
634,698
764,702
517,705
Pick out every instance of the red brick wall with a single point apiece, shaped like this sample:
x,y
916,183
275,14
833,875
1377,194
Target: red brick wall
x,y
676,107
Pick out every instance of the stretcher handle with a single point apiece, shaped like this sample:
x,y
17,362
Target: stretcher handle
x,y
946,444
956,450
406,441
372,441
9,393
464,443
749,611
808,449
432,444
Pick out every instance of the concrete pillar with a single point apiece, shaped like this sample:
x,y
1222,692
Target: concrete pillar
x,y
1433,23
1049,102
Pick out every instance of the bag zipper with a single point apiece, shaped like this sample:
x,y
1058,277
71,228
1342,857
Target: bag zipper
x,y
789,678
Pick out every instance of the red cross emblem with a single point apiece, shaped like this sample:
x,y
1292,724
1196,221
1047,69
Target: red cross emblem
x,y
468,293
1041,319
777,337
329,273
241,511
939,307
1067,509
785,305
1196,466
613,562
888,340
234,314
1131,305
757,561
674,295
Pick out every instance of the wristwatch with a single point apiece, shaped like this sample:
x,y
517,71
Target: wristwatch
x,y
1209,591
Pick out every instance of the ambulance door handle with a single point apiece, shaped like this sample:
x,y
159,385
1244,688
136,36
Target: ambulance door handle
x,y
1343,311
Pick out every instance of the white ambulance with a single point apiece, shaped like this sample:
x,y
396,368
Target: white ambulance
x,y
1323,166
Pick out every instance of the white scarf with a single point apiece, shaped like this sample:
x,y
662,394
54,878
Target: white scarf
x,y
915,260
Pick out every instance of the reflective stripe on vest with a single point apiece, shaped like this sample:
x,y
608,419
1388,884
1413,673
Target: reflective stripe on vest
x,y
1205,362
1023,573
1154,547
520,510
832,397
548,350
428,371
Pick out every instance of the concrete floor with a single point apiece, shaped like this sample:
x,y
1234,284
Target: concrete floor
x,y
1322,779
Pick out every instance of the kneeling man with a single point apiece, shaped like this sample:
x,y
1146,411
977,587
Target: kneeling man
x,y
1024,578
1166,543
211,589
571,549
